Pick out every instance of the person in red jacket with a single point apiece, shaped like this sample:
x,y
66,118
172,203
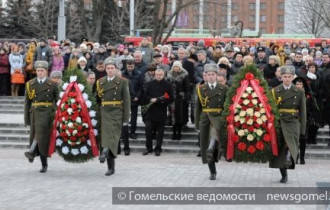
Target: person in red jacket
x,y
4,73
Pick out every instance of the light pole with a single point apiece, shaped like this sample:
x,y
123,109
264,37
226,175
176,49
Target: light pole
x,y
61,22
131,18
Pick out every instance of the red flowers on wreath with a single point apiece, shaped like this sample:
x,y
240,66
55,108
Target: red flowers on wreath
x,y
241,146
249,76
236,138
260,145
251,149
267,137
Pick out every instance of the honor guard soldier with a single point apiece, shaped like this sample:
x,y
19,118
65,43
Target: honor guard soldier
x,y
291,103
39,109
209,104
113,98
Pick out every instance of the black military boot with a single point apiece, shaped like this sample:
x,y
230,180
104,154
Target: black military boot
x,y
104,155
179,136
302,147
213,171
210,150
43,163
111,166
284,174
174,129
32,152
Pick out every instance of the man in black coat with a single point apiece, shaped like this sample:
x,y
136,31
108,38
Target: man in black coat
x,y
159,92
135,77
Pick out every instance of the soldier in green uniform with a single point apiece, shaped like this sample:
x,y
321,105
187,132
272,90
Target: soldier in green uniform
x,y
114,100
291,103
40,104
209,104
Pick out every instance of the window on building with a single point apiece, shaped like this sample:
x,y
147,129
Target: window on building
x,y
280,18
196,7
262,30
252,18
252,6
262,6
281,6
262,18
234,6
280,30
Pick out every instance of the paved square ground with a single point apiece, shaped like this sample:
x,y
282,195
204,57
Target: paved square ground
x,y
84,186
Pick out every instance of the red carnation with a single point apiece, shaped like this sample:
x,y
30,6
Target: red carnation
x,y
263,125
66,106
267,137
257,109
244,126
241,146
251,129
250,97
250,105
79,128
254,118
166,96
73,138
70,130
65,113
244,108
251,149
249,76
247,118
240,101
63,127
74,106
260,145
63,134
230,118
256,125
85,132
236,138
237,124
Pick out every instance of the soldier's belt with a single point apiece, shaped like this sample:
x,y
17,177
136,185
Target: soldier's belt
x,y
288,110
104,103
42,104
212,110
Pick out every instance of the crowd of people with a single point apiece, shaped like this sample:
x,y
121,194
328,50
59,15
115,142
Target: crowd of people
x,y
183,68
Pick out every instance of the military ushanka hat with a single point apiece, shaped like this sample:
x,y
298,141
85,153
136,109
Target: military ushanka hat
x,y
41,64
211,67
110,61
288,70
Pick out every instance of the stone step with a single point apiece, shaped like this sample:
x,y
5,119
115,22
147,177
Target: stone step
x,y
12,98
3,111
13,101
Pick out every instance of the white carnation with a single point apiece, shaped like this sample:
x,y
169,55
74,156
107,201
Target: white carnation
x,y
67,132
75,151
263,118
65,85
58,102
96,132
65,150
61,94
73,100
78,120
250,122
94,122
88,103
254,95
59,142
85,125
244,95
81,87
89,142
250,137
84,150
249,111
259,132
246,101
262,111
236,118
242,113
259,121
92,113
85,96
70,124
249,89
241,133
257,114
70,110
73,78
254,101
74,132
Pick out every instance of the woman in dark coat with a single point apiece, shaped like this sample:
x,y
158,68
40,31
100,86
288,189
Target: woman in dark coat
x,y
180,83
271,67
315,82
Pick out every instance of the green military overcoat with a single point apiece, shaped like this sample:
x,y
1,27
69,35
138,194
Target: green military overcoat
x,y
207,100
114,105
39,110
292,124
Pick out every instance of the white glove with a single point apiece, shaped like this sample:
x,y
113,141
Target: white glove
x,y
311,76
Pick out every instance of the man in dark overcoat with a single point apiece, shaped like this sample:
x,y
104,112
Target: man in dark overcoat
x,y
291,103
39,109
114,100
159,92
209,104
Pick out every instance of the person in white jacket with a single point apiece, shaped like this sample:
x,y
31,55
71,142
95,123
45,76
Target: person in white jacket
x,y
16,63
